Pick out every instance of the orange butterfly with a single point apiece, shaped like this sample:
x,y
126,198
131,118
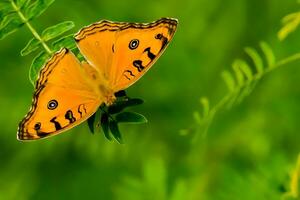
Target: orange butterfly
x,y
68,91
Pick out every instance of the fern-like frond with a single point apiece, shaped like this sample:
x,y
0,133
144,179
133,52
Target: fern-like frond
x,y
240,82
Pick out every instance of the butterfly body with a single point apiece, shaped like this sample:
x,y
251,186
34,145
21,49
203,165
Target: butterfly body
x,y
68,91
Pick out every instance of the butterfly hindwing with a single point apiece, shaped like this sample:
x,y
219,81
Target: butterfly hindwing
x,y
64,97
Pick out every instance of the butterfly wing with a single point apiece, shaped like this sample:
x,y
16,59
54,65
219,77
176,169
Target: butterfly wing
x,y
123,52
64,97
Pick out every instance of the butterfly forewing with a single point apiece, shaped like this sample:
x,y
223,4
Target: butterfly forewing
x,y
64,97
123,52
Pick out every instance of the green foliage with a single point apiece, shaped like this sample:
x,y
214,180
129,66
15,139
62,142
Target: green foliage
x,y
152,184
36,8
31,46
248,154
240,83
111,116
57,30
289,24
66,42
294,185
37,62
130,117
16,13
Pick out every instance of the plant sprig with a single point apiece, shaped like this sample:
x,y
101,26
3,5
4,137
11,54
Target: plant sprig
x,y
240,83
17,13
108,117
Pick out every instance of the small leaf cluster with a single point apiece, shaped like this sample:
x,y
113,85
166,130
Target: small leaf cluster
x,y
16,13
108,117
240,82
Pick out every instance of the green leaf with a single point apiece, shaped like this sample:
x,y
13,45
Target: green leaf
x,y
205,104
290,24
197,117
37,8
130,117
91,122
268,52
22,3
290,17
238,73
10,24
31,46
113,126
65,42
118,106
105,125
229,80
57,30
5,9
256,59
244,67
36,65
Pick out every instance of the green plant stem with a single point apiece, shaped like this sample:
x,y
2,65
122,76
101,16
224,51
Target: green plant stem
x,y
33,31
226,99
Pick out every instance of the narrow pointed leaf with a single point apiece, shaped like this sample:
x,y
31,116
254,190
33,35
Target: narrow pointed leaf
x,y
57,30
67,42
5,9
268,54
244,67
290,17
205,104
105,125
9,25
238,73
130,117
197,117
22,3
121,93
121,105
91,122
31,46
229,80
114,128
290,24
37,8
36,65
256,59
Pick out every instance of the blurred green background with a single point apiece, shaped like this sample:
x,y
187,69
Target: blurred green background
x,y
249,150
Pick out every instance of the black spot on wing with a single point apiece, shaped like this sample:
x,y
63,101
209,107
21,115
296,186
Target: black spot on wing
x,y
56,124
138,65
81,109
69,116
128,74
163,39
113,48
149,53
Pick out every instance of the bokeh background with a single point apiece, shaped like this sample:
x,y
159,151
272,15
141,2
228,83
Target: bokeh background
x,y
248,152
